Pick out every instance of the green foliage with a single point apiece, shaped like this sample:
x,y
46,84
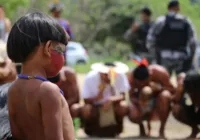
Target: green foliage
x,y
100,24
12,5
86,67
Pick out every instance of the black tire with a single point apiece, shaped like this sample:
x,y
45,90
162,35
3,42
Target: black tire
x,y
81,62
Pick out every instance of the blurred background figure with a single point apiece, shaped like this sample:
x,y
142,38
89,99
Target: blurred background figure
x,y
67,82
7,68
171,35
137,34
187,101
153,83
104,95
56,10
7,75
5,24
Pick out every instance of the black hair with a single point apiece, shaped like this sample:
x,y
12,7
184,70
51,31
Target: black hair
x,y
173,3
109,64
54,79
30,31
191,82
146,11
56,7
141,73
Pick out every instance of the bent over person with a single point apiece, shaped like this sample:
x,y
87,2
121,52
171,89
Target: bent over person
x,y
186,102
104,94
150,95
37,108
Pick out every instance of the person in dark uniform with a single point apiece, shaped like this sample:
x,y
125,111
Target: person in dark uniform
x,y
137,34
187,101
170,35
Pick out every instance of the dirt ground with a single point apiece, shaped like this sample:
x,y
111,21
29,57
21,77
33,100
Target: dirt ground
x,y
174,129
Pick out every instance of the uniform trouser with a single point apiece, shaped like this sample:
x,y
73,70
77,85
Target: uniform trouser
x,y
174,65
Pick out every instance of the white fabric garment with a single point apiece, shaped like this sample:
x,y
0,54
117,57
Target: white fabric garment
x,y
92,82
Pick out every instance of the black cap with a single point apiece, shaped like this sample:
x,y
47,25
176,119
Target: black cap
x,y
173,3
146,10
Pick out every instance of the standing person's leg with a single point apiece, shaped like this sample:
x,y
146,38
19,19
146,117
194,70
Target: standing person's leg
x,y
163,109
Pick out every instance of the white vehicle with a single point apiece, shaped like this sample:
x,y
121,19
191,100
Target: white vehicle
x,y
76,54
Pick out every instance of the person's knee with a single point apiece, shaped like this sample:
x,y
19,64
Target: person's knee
x,y
147,90
135,115
86,111
163,104
75,110
164,96
122,109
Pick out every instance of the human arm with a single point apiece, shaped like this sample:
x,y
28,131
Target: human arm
x,y
131,33
192,38
122,85
73,89
132,89
51,110
161,81
154,31
69,31
87,94
180,88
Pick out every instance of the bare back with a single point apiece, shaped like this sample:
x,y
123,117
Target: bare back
x,y
69,85
158,74
27,115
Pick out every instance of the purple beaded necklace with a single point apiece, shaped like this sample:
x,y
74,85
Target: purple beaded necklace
x,y
20,76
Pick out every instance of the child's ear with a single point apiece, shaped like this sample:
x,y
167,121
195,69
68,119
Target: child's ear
x,y
47,48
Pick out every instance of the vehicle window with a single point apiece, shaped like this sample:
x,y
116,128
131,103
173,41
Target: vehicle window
x,y
70,48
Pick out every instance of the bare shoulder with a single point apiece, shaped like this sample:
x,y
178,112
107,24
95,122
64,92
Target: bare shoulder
x,y
130,77
158,70
49,90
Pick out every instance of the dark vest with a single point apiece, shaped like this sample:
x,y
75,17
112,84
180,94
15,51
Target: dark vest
x,y
142,33
174,34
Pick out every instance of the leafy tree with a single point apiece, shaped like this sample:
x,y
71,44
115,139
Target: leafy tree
x,y
11,6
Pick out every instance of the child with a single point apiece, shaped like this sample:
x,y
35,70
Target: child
x,y
37,109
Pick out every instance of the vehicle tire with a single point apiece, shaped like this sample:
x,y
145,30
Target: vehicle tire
x,y
81,62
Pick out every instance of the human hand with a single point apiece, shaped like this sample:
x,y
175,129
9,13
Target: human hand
x,y
135,27
155,86
102,86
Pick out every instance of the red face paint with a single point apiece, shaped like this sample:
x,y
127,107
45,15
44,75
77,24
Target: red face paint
x,y
57,62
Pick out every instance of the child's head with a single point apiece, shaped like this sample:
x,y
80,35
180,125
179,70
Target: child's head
x,y
39,40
